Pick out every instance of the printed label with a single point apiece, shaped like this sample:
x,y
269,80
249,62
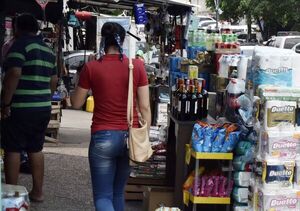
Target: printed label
x,y
284,109
207,103
187,107
285,202
284,145
278,70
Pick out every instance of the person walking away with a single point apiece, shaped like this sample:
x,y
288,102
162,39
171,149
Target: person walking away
x,y
108,80
24,167
30,77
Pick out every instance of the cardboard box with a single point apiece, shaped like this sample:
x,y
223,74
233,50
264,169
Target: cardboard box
x,y
154,196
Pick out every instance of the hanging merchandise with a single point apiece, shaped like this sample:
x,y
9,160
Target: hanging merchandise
x,y
72,20
43,4
140,14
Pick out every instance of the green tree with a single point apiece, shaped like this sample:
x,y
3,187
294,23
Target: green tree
x,y
276,14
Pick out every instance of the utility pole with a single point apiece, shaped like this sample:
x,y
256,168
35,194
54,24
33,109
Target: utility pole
x,y
217,6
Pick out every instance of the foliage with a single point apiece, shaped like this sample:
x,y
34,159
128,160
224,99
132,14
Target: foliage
x,y
277,14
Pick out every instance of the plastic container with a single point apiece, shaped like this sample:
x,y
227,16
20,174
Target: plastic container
x,y
90,104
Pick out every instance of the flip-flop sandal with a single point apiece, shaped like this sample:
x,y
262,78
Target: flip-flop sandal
x,y
35,200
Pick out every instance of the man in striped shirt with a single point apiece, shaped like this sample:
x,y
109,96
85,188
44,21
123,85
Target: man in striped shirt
x,y
30,77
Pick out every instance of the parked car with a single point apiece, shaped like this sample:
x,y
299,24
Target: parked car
x,y
287,42
73,60
296,48
203,25
205,18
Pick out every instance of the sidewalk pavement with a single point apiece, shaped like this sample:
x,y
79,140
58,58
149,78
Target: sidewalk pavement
x,y
67,183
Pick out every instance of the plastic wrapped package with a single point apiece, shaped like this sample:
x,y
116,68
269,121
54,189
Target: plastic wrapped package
x,y
279,115
278,174
242,178
240,195
14,197
283,200
297,175
280,144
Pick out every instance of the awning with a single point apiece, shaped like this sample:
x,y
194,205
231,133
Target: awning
x,y
128,4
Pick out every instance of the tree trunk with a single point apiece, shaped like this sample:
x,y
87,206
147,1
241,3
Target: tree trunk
x,y
249,22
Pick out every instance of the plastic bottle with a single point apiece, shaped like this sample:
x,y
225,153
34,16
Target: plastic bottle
x,y
90,104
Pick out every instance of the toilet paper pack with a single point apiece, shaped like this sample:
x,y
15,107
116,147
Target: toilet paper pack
x,y
242,178
284,200
278,174
280,144
279,115
240,195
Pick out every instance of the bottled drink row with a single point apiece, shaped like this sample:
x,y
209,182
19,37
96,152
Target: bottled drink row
x,y
212,41
189,99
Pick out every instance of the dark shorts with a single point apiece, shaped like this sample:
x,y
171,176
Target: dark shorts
x,y
24,131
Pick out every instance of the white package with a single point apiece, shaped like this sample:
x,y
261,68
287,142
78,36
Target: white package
x,y
284,200
278,174
297,175
279,144
279,115
242,178
240,195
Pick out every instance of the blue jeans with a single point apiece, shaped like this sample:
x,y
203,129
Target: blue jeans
x,y
109,164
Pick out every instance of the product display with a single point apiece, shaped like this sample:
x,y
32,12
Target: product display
x,y
214,138
190,100
155,167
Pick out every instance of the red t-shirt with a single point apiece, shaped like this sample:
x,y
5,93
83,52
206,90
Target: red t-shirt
x,y
108,80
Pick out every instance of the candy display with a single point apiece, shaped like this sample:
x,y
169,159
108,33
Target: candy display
x,y
209,184
214,138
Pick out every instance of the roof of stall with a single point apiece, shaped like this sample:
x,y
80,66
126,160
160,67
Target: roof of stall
x,y
128,4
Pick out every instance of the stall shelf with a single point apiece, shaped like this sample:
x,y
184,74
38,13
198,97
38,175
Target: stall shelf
x,y
190,153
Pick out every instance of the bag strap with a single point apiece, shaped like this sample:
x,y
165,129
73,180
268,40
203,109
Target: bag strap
x,y
130,95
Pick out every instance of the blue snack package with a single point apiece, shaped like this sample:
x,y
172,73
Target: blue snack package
x,y
197,138
219,140
208,135
230,142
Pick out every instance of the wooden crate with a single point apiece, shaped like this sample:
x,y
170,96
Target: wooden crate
x,y
134,192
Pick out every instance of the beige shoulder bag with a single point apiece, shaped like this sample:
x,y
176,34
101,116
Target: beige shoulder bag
x,y
138,138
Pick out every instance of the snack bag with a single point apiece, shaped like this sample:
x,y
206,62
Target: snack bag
x,y
230,142
208,135
219,140
198,138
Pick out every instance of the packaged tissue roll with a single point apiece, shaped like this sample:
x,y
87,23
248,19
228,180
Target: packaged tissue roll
x,y
240,195
280,144
285,200
279,115
242,178
278,174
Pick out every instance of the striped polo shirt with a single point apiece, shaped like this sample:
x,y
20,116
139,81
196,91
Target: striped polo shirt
x,y
37,61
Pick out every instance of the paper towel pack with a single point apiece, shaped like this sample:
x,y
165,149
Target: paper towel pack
x,y
297,175
278,174
279,115
284,200
275,66
280,144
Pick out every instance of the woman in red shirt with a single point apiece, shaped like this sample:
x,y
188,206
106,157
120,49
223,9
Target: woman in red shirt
x,y
108,80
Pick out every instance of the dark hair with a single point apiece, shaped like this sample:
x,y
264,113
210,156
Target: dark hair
x,y
26,23
109,30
